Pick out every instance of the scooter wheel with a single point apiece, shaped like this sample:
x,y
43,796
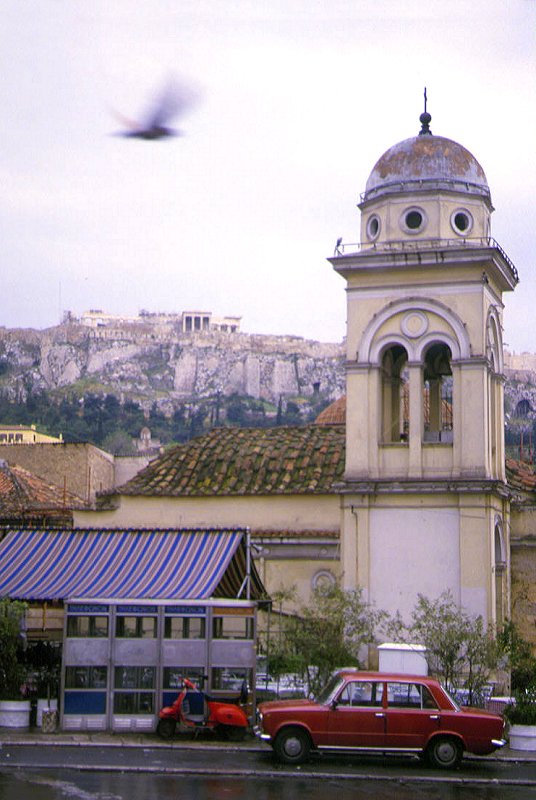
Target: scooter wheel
x,y
166,728
232,733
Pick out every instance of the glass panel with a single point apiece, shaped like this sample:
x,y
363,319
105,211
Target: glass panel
x,y
100,626
146,677
230,678
134,677
127,627
77,677
136,627
125,702
147,627
85,677
195,627
126,678
87,626
232,627
410,695
173,676
361,693
145,702
98,677
184,628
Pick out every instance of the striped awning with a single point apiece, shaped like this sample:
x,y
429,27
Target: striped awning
x,y
137,564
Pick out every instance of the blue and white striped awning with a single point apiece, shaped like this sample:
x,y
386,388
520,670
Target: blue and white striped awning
x,y
148,564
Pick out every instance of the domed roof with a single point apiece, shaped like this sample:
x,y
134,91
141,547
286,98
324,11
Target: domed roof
x,y
427,162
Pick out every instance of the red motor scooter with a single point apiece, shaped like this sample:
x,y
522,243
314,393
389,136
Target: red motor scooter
x,y
194,711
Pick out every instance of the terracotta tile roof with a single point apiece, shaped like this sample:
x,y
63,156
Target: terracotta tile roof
x,y
520,475
247,461
334,414
21,492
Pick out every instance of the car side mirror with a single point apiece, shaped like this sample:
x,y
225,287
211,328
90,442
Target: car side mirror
x,y
334,705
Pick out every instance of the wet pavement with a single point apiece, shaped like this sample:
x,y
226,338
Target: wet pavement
x,y
35,736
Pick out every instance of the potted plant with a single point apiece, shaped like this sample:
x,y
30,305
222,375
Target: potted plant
x,y
14,708
521,714
48,679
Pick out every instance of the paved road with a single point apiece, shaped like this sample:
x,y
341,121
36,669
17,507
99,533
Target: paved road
x,y
246,762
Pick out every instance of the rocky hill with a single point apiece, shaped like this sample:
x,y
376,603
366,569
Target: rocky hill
x,y
147,365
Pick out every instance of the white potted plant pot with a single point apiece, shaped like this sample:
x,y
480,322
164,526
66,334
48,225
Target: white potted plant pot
x,y
522,737
15,713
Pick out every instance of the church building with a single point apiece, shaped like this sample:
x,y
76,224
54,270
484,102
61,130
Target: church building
x,y
425,503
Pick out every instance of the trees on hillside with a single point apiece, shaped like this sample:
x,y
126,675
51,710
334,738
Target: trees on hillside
x,y
101,418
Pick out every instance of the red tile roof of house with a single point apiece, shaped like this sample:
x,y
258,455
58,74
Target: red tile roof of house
x,y
21,492
334,414
263,461
247,461
520,475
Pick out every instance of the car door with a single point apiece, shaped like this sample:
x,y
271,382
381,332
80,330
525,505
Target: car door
x,y
357,717
411,716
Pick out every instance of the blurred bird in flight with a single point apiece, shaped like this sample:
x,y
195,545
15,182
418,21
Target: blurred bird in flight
x,y
173,101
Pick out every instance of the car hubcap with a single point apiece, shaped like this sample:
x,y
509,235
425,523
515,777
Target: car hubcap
x,y
446,752
293,746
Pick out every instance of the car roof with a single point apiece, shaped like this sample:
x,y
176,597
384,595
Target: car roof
x,y
385,676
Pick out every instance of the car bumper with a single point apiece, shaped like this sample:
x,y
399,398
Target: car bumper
x,y
259,733
498,743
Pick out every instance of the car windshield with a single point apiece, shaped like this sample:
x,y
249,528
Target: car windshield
x,y
325,695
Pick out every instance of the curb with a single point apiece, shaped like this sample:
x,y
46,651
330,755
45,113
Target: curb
x,y
114,741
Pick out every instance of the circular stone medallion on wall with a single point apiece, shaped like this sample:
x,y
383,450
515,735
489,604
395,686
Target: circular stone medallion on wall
x,y
414,324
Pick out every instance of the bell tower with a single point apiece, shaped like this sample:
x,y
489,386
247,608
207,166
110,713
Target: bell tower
x,y
425,505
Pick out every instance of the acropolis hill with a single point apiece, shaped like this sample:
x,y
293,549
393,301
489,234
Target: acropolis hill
x,y
166,358
170,358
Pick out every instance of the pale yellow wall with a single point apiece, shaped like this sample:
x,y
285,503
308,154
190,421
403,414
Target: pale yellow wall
x,y
438,208
20,434
269,513
397,545
294,575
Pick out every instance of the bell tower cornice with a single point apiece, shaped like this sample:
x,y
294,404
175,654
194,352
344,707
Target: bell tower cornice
x,y
485,256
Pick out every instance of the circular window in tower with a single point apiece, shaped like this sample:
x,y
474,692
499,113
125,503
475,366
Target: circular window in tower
x,y
461,221
413,220
373,227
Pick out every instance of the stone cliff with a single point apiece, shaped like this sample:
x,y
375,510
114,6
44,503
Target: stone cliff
x,y
142,364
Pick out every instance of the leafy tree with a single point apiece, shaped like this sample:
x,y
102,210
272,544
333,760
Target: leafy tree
x,y
328,633
459,651
12,671
119,443
519,657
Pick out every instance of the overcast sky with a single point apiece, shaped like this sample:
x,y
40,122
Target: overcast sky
x,y
297,99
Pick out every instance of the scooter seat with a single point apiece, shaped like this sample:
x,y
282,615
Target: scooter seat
x,y
195,707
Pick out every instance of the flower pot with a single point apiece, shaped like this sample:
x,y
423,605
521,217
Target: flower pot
x,y
49,720
523,737
44,705
15,713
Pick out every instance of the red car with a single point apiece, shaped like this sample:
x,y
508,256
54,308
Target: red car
x,y
379,712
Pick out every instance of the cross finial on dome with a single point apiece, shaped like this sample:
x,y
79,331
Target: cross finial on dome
x,y
425,119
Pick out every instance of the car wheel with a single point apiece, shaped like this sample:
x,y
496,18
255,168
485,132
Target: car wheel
x,y
292,745
444,752
166,728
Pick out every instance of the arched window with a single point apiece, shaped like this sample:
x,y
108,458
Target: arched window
x,y
500,571
523,408
395,395
437,376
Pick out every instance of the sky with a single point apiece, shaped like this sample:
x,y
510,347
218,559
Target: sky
x,y
295,102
